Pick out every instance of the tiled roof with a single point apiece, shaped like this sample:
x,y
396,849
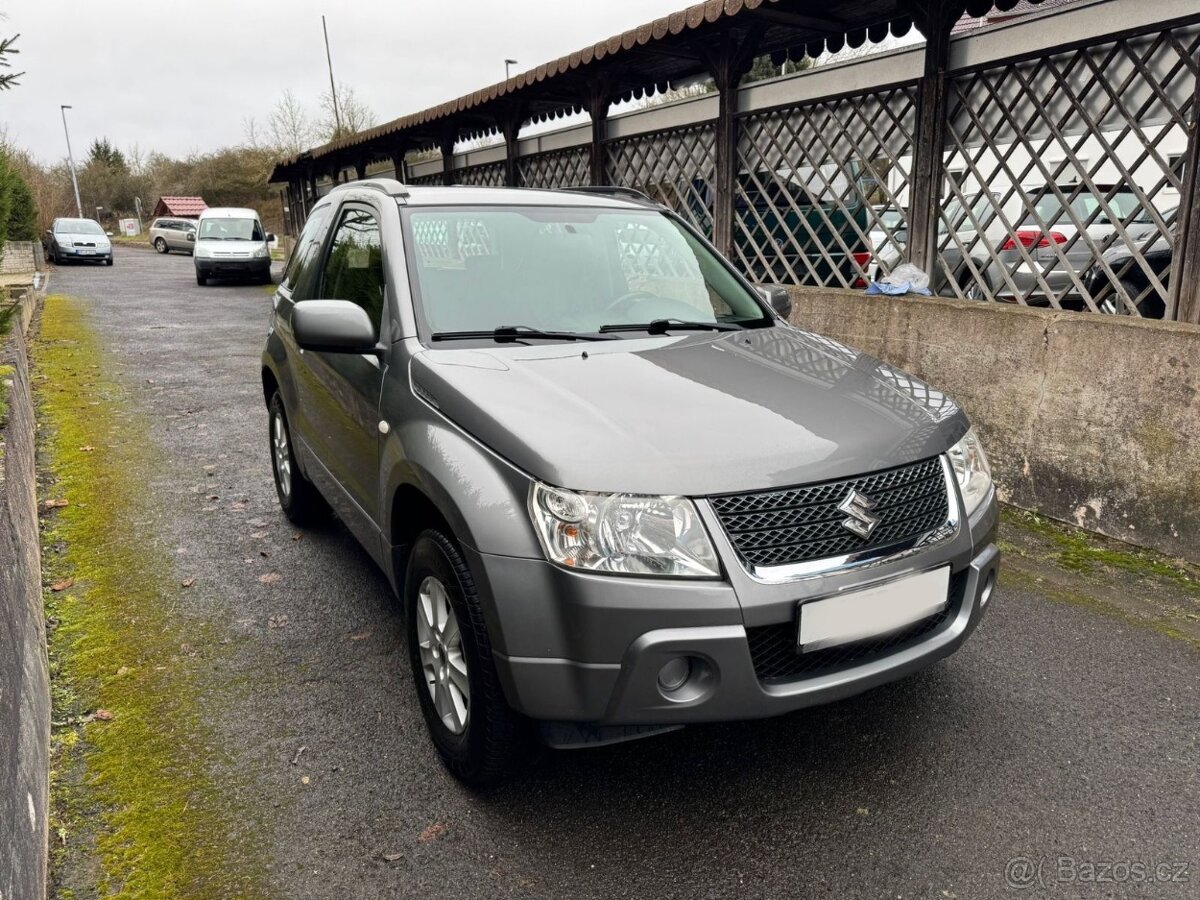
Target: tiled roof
x,y
183,206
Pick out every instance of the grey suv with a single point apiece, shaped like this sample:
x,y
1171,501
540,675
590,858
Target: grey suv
x,y
616,492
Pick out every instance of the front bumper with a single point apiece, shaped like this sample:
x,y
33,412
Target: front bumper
x,y
573,647
231,268
92,256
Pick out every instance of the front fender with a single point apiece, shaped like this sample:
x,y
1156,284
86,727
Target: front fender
x,y
481,496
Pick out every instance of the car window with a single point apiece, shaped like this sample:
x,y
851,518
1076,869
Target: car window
x,y
223,229
296,277
354,269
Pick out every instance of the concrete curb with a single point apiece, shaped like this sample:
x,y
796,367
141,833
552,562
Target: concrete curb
x,y
24,677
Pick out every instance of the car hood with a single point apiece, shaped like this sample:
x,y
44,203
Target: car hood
x,y
698,414
100,240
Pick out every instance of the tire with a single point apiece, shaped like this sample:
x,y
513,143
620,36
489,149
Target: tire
x,y
109,261
201,279
480,738
160,245
975,288
298,499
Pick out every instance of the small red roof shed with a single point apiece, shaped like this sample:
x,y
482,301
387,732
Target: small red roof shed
x,y
184,207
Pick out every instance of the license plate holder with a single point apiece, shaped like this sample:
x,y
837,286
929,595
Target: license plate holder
x,y
872,612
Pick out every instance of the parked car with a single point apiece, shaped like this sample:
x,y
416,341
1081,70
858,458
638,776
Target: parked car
x,y
616,491
231,242
167,234
886,222
958,240
77,239
1123,272
1036,263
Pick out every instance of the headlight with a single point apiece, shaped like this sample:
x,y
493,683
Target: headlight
x,y
260,252
972,470
627,534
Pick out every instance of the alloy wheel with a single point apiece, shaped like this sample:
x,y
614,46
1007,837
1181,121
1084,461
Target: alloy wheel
x,y
283,462
442,662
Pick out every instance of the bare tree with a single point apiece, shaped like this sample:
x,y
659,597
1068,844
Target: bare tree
x,y
289,129
352,114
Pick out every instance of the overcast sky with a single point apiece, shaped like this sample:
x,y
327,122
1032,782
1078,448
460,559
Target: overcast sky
x,y
183,77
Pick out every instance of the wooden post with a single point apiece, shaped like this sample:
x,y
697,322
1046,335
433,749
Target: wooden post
x,y
360,168
727,66
1185,271
935,18
398,163
447,147
510,127
598,101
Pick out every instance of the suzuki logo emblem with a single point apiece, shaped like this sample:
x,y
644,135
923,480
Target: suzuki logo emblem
x,y
859,517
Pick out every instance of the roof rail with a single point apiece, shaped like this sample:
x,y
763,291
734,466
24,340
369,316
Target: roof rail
x,y
389,186
612,190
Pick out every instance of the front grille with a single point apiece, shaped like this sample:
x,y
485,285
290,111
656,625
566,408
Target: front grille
x,y
791,525
773,647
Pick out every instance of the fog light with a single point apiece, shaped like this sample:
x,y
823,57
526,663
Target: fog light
x,y
674,675
989,585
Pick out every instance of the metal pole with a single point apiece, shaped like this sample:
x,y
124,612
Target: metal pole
x,y
337,118
71,161
507,63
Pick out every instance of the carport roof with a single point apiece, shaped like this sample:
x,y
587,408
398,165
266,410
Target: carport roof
x,y
633,65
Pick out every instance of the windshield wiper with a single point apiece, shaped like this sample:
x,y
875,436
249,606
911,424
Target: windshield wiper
x,y
662,326
509,333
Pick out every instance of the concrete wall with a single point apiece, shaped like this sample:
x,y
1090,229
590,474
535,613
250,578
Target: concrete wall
x,y
19,256
24,684
1094,420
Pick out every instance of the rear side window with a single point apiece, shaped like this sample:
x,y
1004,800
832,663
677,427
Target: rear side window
x,y
354,270
308,250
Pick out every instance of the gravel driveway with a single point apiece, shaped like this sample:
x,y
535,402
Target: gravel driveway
x,y
1058,731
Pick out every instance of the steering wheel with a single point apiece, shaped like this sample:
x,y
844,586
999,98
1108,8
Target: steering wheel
x,y
628,297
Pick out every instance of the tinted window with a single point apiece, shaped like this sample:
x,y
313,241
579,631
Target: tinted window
x,y
354,270
307,252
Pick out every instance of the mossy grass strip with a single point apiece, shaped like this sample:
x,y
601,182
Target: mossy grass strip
x,y
135,789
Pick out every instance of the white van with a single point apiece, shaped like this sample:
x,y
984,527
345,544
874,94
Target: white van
x,y
231,243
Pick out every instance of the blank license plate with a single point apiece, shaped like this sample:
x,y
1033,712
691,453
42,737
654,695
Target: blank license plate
x,y
872,612
86,252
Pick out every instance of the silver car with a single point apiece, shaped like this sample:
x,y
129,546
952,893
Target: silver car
x,y
615,490
167,234
77,240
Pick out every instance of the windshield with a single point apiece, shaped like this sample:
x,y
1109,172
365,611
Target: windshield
x,y
77,226
230,230
566,269
1124,207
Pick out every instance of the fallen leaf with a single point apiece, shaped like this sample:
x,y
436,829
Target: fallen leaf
x,y
208,509
296,537
103,715
62,584
124,670
432,832
187,582
270,577
55,504
392,857
304,779
277,621
212,497
237,506
360,636
259,535
86,448
258,523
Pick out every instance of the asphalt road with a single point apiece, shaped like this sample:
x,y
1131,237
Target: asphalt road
x,y
1056,732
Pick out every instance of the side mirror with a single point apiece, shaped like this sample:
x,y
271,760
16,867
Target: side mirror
x,y
778,299
109,233
270,238
333,326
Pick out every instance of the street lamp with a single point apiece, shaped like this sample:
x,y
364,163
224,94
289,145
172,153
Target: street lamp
x,y
71,160
507,64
